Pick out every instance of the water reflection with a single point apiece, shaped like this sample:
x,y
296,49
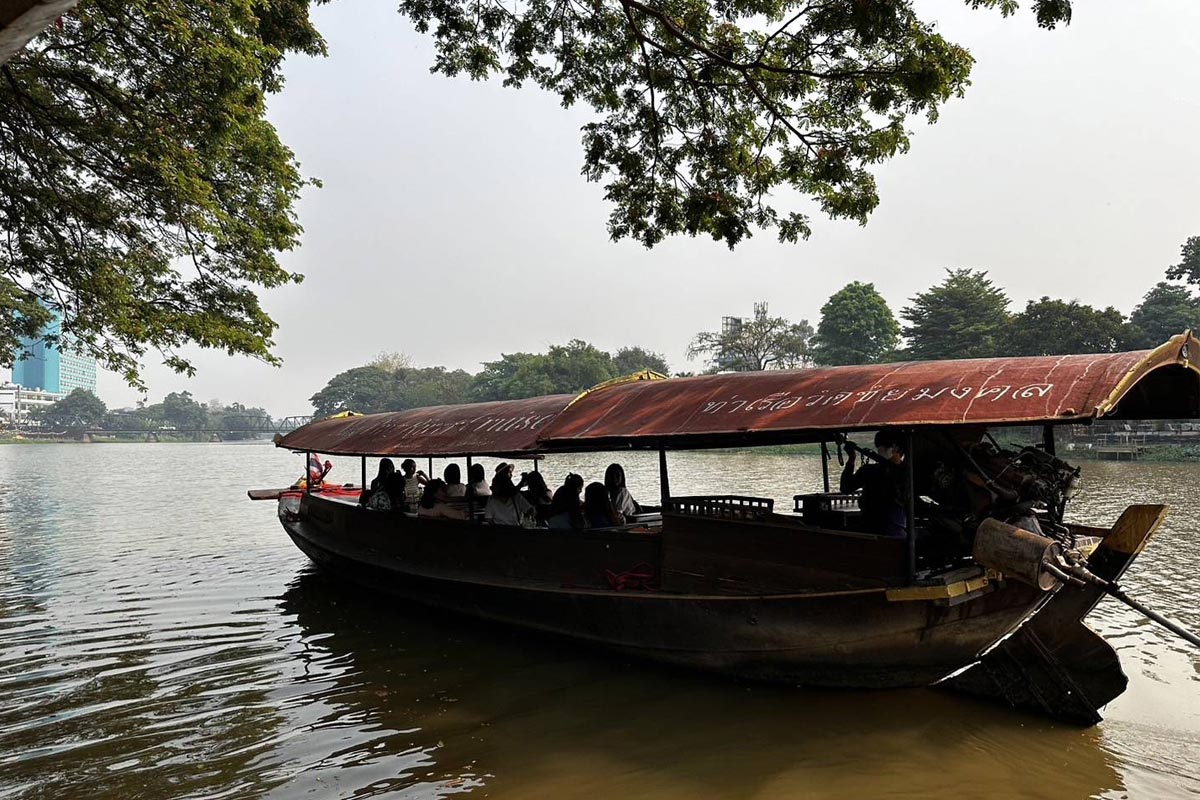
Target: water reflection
x,y
160,643
526,717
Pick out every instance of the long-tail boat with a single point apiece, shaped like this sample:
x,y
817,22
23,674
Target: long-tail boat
x,y
985,593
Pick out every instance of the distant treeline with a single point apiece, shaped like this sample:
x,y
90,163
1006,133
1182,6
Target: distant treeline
x,y
391,383
179,411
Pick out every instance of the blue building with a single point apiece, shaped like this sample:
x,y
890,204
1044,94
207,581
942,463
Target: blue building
x,y
53,369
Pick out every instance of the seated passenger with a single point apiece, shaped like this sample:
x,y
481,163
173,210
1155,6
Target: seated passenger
x,y
414,479
884,485
433,502
477,481
454,485
614,482
598,508
537,494
566,509
505,468
386,491
506,506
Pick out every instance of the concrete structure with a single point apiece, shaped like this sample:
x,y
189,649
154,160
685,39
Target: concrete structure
x,y
16,402
54,369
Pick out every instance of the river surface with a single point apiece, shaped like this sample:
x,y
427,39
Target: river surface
x,y
160,637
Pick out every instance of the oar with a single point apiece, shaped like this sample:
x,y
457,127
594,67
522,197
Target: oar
x,y
1077,572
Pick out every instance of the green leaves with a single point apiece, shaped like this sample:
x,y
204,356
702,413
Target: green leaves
x,y
965,316
705,110
756,343
142,193
857,327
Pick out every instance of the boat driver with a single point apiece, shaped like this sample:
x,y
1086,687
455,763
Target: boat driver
x,y
883,483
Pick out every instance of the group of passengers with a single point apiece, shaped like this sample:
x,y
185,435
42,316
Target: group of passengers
x,y
526,503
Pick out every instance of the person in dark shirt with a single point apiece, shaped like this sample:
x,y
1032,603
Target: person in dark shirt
x,y
884,485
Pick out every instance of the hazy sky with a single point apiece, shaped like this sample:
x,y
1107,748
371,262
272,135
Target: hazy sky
x,y
454,224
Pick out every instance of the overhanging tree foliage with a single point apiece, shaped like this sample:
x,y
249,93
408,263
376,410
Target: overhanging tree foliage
x,y
143,194
705,108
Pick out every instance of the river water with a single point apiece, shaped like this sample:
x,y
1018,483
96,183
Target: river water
x,y
160,637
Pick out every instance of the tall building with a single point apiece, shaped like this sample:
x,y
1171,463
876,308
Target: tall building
x,y
57,370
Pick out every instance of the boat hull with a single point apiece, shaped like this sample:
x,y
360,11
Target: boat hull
x,y
854,638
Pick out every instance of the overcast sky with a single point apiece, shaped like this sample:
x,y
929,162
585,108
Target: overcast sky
x,y
454,225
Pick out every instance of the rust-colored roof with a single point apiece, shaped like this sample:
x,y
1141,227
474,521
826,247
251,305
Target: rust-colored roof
x,y
506,428
781,405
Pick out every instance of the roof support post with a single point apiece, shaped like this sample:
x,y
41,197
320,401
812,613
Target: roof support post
x,y
910,510
825,465
363,485
1048,439
664,480
307,472
470,494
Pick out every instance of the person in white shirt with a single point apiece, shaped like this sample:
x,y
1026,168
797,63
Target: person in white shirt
x,y
454,485
433,503
506,506
477,480
414,481
614,482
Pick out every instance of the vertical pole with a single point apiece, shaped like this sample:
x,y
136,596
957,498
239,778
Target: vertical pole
x,y
910,510
1048,439
535,464
364,474
307,472
664,481
470,493
430,472
825,465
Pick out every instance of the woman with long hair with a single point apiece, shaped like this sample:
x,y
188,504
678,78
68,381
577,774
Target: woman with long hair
x,y
598,508
614,483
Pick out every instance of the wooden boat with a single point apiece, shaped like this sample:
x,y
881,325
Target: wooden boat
x,y
729,584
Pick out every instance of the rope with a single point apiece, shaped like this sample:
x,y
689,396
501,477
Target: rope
x,y
639,576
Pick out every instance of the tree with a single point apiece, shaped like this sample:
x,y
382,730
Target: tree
x,y
79,411
758,343
143,194
180,410
965,316
629,360
1166,310
366,390
705,108
857,327
563,369
1188,268
1054,327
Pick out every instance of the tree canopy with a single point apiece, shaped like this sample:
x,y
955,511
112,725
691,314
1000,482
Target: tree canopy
x,y
79,410
704,109
965,316
1167,309
857,327
756,343
144,197
390,383
1056,327
1188,268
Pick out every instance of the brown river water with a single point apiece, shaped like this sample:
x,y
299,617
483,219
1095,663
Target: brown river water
x,y
160,637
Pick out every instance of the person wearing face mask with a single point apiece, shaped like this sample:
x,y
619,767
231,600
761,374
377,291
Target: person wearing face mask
x,y
883,484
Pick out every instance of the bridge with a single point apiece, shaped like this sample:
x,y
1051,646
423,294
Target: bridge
x,y
154,429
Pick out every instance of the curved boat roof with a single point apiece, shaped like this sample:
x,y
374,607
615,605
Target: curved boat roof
x,y
502,428
748,408
798,405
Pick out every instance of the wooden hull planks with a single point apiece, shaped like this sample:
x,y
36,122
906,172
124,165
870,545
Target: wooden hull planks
x,y
850,638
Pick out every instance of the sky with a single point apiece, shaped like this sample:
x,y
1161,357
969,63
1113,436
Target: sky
x,y
454,224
